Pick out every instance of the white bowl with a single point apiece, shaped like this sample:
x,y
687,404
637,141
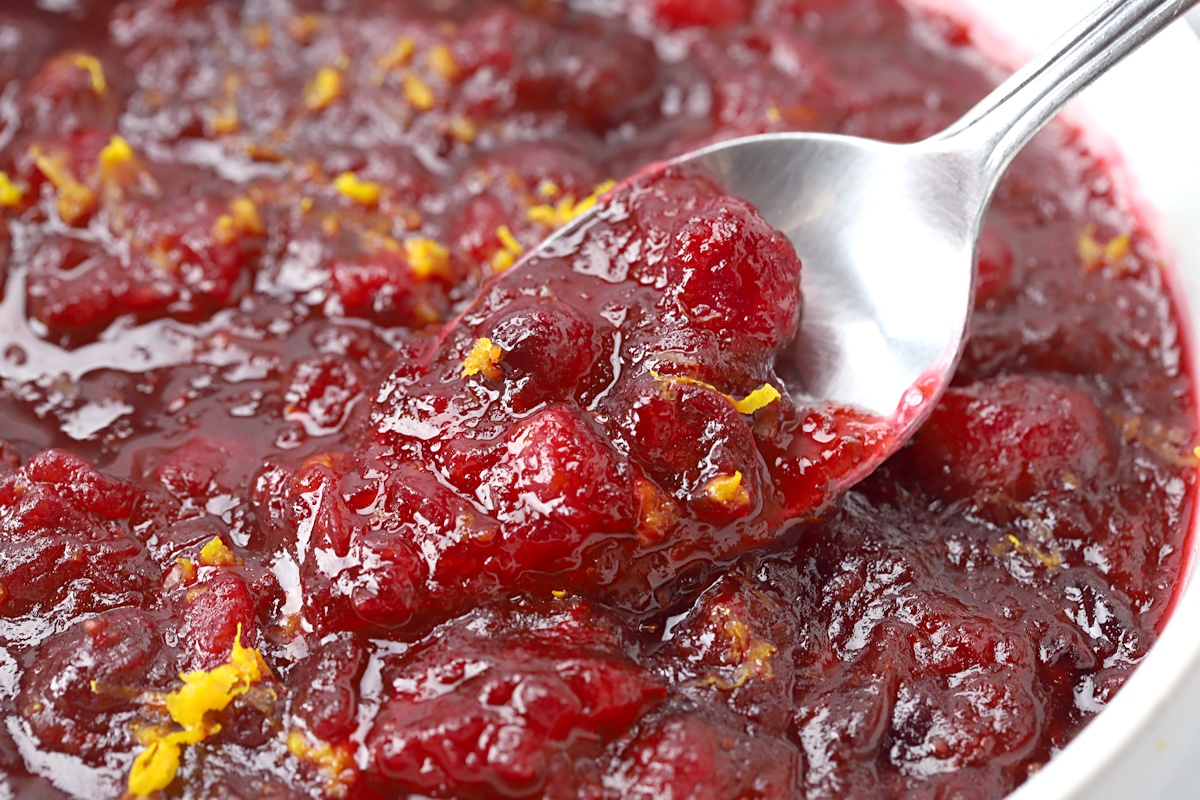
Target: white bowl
x,y
1146,744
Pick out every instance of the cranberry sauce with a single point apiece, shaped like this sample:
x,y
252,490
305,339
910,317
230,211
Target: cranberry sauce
x,y
307,489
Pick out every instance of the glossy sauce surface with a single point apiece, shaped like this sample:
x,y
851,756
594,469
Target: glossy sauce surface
x,y
298,502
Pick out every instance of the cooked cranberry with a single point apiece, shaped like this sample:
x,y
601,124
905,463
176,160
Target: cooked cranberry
x,y
326,688
78,692
730,272
321,391
491,706
268,495
1049,436
319,479
546,172
215,608
476,229
203,468
549,351
684,435
251,725
596,71
737,642
655,210
176,258
798,92
379,286
679,13
77,480
65,78
62,538
689,755
988,714
557,484
352,575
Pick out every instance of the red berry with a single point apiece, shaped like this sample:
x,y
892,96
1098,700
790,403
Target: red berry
x,y
212,613
710,13
557,485
167,257
320,392
684,435
1018,436
77,480
66,534
505,703
693,755
325,686
730,272
203,468
549,351
82,682
351,575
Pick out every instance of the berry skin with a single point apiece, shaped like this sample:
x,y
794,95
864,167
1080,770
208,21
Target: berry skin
x,y
557,484
67,536
116,650
506,702
708,13
321,390
1018,436
694,756
729,272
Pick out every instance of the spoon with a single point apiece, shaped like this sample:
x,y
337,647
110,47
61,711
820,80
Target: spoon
x,y
888,233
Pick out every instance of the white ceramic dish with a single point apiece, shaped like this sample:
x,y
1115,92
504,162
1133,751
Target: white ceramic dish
x,y
1146,744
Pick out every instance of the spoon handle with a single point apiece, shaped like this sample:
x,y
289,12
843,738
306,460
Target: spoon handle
x,y
999,125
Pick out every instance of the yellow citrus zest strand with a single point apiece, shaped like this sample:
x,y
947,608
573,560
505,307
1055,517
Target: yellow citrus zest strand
x,y
203,691
760,398
484,359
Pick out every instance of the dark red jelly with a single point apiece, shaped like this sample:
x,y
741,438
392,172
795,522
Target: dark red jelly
x,y
311,487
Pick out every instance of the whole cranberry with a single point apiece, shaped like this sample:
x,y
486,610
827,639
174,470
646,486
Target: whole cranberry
x,y
730,272
550,349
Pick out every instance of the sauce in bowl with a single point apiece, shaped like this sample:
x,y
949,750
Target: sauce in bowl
x,y
271,529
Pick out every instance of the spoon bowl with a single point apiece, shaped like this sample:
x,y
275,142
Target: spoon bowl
x,y
887,233
887,259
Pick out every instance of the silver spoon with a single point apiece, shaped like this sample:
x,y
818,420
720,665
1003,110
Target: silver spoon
x,y
887,233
